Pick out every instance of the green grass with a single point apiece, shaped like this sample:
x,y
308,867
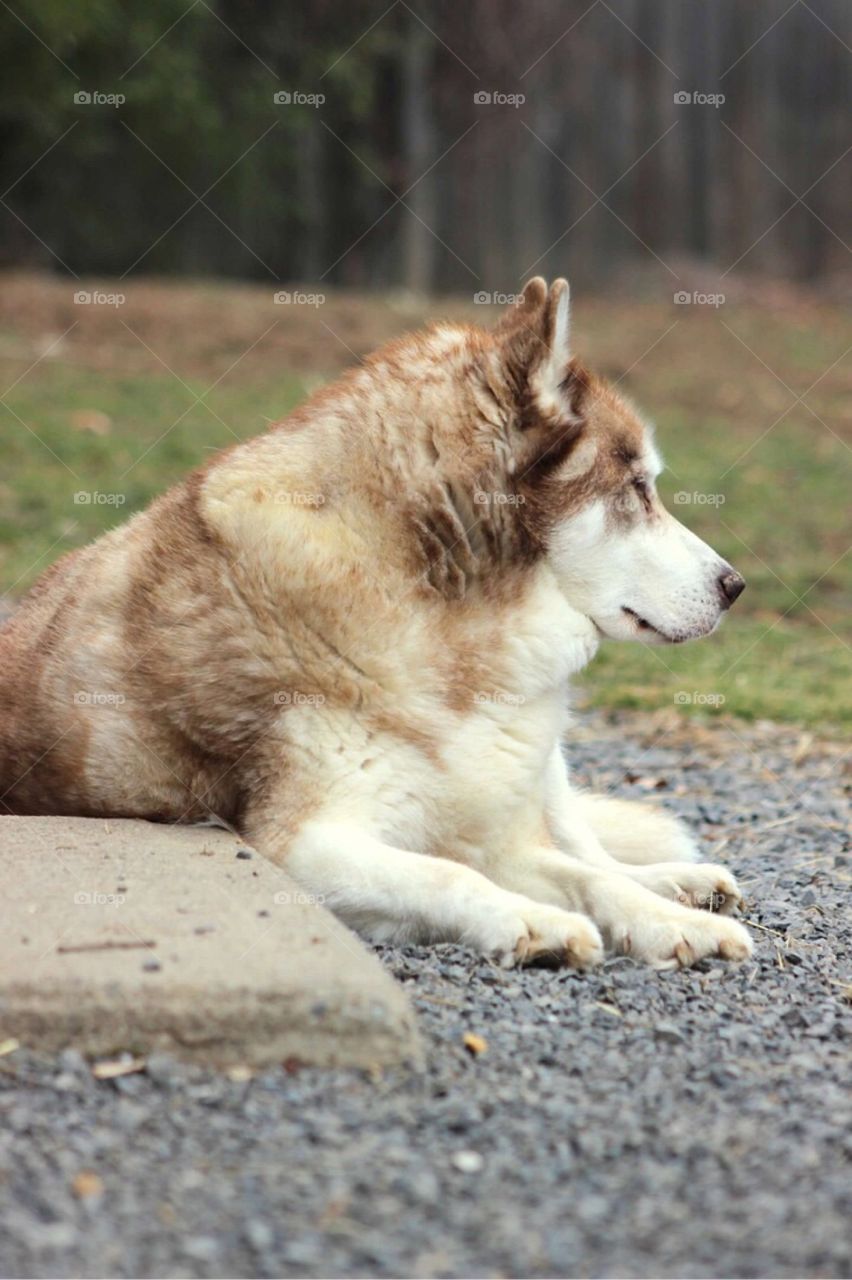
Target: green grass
x,y
783,653
152,442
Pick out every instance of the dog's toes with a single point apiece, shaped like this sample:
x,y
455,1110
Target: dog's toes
x,y
724,896
736,948
680,937
703,885
535,935
584,953
556,939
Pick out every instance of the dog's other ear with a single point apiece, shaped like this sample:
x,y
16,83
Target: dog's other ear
x,y
537,345
526,312
533,295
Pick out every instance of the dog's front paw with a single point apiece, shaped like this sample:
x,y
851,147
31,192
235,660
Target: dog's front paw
x,y
676,937
700,884
546,937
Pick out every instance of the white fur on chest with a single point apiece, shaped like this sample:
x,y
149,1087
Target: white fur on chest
x,y
480,789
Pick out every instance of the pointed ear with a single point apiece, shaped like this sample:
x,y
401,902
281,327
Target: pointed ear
x,y
525,316
557,325
534,295
537,348
549,385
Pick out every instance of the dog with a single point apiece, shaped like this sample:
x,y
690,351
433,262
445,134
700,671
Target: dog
x,y
350,639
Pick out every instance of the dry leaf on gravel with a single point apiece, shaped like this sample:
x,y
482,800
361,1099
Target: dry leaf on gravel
x,y
608,1008
474,1044
802,748
87,1184
118,1067
240,1073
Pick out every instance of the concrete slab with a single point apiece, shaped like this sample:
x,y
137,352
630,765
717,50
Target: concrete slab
x,y
125,935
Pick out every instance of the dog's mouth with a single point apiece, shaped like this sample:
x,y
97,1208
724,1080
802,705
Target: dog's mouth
x,y
643,626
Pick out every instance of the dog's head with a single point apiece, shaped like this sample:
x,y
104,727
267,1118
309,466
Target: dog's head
x,y
580,468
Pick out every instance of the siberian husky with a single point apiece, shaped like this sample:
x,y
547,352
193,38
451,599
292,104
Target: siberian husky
x,y
351,639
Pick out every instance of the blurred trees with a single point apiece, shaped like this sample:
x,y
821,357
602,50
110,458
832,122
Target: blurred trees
x,y
400,177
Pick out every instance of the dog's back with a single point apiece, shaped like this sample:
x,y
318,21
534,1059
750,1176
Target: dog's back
x,y
89,723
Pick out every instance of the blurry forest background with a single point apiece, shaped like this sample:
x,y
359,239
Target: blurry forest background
x,y
489,186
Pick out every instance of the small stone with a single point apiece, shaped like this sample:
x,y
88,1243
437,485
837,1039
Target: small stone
x,y
467,1161
668,1032
201,1248
162,1068
259,1234
244,853
72,1061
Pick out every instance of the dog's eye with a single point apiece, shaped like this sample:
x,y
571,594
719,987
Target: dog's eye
x,y
640,486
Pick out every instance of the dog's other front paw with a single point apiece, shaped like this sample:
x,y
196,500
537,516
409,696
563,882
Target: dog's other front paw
x,y
545,937
700,884
676,937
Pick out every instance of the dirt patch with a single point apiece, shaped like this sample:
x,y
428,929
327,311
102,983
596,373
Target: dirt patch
x,y
198,328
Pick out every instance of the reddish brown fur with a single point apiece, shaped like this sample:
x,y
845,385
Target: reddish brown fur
x,y
200,637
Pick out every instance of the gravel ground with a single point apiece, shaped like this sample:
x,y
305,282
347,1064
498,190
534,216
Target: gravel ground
x,y
624,1123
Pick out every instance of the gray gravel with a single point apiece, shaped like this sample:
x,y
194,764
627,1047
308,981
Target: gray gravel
x,y
624,1123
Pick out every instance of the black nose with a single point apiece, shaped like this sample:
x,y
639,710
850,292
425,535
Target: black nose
x,y
731,586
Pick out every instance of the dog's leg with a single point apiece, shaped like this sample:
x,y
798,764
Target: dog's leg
x,y
393,895
636,833
633,920
630,832
597,830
